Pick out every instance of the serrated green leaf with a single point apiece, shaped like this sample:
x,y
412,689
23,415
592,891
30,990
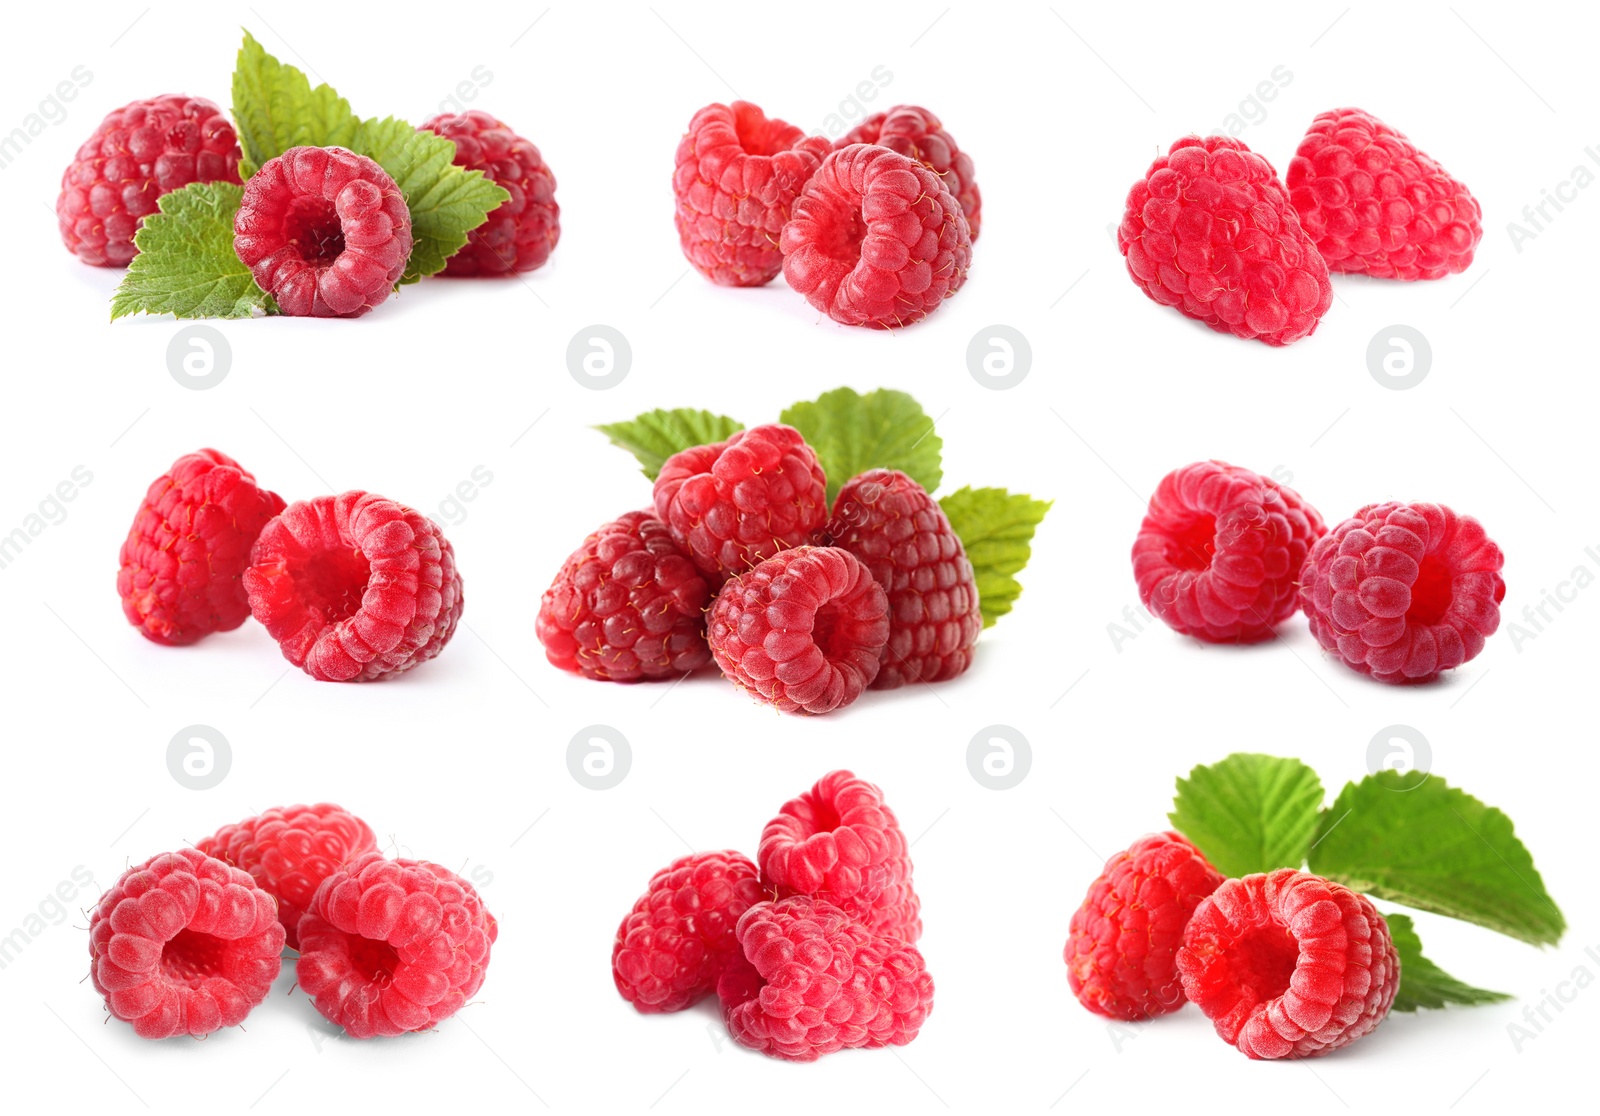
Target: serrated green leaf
x,y
656,435
996,529
883,429
446,202
186,264
275,108
1422,983
1436,848
1249,812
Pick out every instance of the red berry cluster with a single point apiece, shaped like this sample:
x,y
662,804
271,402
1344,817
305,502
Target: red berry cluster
x,y
810,950
1211,231
1399,591
875,230
741,562
189,941
354,588
324,230
1285,964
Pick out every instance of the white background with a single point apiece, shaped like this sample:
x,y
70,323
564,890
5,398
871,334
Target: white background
x,y
464,761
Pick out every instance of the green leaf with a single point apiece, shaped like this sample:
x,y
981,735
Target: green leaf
x,y
1249,812
883,429
275,108
1422,983
656,435
446,202
1436,848
186,265
996,529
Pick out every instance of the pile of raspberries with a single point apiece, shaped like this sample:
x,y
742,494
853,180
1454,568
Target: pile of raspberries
x,y
741,561
1285,964
190,941
1400,592
810,950
325,231
355,588
875,230
1212,232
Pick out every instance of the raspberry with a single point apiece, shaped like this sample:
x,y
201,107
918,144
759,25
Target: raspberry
x,y
1123,943
325,232
138,153
1209,231
391,946
181,564
1219,553
737,175
184,945
1289,965
289,851
839,843
889,521
916,133
734,504
354,587
522,232
1404,591
627,605
804,631
1375,204
876,239
679,938
813,980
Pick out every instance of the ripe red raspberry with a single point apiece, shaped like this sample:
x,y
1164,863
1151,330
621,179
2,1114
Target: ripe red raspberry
x,y
734,504
804,631
1404,591
876,239
325,232
138,153
1289,965
840,843
391,946
181,564
354,587
289,851
1218,555
889,521
916,133
737,175
814,980
183,945
1123,942
1375,204
519,235
679,938
627,605
1209,231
